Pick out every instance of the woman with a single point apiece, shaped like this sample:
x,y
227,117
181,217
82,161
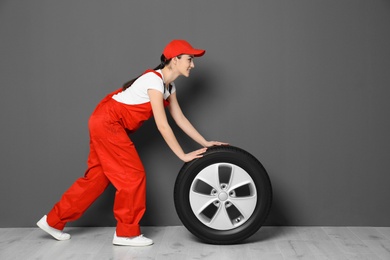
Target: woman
x,y
113,157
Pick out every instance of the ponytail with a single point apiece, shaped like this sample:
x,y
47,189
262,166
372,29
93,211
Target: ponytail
x,y
164,62
129,83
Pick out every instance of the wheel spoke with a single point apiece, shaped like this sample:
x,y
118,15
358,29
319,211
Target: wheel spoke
x,y
245,205
239,178
221,220
199,201
209,176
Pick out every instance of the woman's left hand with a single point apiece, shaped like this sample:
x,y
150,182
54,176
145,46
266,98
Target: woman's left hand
x,y
213,143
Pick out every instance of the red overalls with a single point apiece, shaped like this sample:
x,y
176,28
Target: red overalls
x,y
112,159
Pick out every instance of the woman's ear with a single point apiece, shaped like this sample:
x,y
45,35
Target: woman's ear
x,y
174,60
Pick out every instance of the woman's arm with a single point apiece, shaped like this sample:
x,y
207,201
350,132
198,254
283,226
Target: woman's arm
x,y
185,124
156,100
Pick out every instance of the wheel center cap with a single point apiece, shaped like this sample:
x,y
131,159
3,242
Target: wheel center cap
x,y
223,196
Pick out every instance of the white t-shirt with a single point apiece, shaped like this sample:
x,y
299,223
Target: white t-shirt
x,y
138,92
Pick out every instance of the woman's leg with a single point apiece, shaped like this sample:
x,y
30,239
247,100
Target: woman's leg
x,y
76,200
124,169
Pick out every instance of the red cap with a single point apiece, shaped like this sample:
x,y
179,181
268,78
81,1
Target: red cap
x,y
178,47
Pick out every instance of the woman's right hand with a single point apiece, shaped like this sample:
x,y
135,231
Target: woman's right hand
x,y
193,155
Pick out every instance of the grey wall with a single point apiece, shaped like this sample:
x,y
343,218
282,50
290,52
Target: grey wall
x,y
302,85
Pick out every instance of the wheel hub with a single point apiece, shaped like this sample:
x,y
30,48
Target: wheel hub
x,y
222,196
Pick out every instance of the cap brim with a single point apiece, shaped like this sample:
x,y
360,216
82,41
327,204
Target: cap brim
x,y
198,53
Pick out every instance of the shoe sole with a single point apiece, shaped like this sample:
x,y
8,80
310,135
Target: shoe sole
x,y
117,243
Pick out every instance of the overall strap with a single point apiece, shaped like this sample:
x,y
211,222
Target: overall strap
x,y
155,72
158,74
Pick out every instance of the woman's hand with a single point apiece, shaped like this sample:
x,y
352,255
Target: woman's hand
x,y
213,143
199,153
193,155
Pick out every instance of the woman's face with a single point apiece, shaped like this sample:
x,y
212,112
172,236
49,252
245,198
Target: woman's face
x,y
185,64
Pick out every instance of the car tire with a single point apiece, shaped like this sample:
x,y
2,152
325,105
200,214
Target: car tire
x,y
223,197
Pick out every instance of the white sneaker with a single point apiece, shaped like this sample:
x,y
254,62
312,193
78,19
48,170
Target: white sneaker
x,y
132,241
57,234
